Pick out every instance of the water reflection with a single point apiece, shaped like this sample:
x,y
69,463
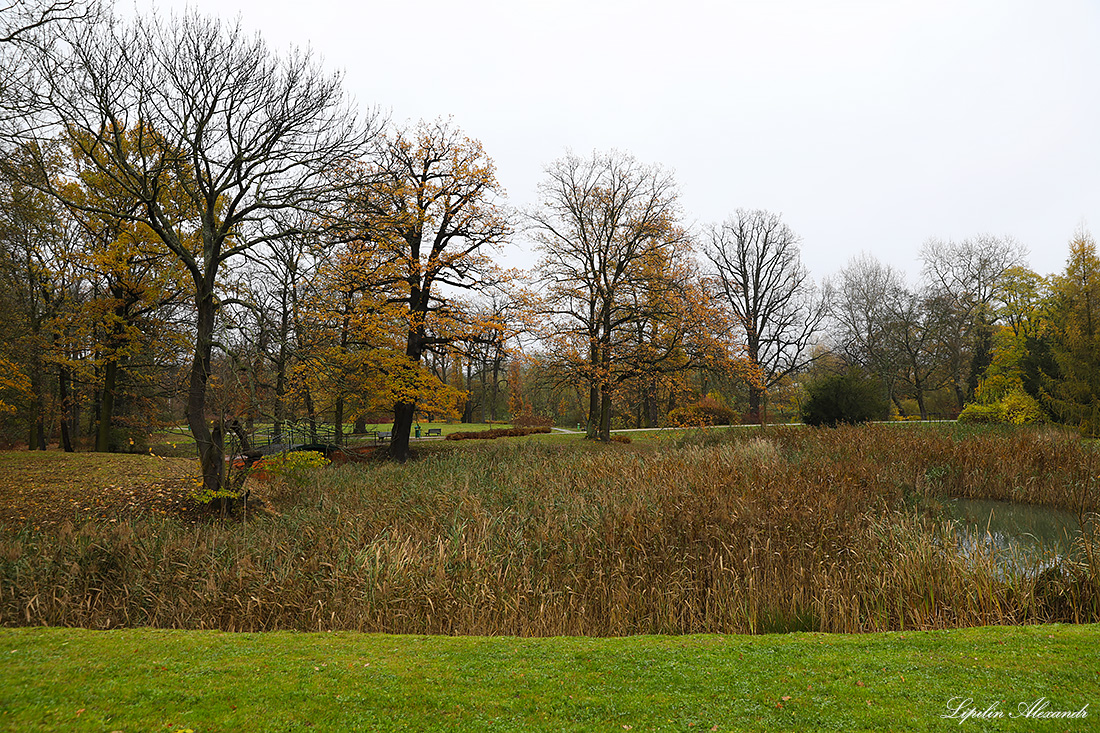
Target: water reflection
x,y
1022,537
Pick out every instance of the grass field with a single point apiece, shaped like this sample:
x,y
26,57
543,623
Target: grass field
x,y
146,680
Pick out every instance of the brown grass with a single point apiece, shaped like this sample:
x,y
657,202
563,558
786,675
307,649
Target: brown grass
x,y
752,532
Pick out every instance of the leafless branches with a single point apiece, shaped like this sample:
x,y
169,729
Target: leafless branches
x,y
758,271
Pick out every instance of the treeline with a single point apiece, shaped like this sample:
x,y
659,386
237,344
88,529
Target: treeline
x,y
193,227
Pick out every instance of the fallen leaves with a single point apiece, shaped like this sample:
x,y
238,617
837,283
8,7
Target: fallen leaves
x,y
44,489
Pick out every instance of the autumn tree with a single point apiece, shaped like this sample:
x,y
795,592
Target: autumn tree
x,y
608,230
434,212
135,287
245,133
485,352
39,288
758,272
1022,342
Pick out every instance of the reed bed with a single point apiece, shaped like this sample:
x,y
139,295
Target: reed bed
x,y
742,532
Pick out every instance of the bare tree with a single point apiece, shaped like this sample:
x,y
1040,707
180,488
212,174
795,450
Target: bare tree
x,y
758,271
889,329
192,105
27,27
967,278
22,19
603,225
862,317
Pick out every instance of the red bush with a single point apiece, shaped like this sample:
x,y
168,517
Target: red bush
x,y
529,420
497,433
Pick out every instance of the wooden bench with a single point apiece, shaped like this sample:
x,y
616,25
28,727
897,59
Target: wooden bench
x,y
435,431
384,436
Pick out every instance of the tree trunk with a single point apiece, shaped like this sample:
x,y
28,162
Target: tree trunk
x,y
755,394
338,418
605,415
106,407
593,412
650,407
403,413
920,402
209,443
311,414
495,390
36,439
66,409
605,389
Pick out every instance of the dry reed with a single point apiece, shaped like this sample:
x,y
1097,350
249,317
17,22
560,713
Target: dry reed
x,y
766,531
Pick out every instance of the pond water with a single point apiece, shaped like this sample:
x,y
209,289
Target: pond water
x,y
1022,536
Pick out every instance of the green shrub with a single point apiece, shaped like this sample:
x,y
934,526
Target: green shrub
x,y
295,466
1020,408
849,397
980,414
1015,408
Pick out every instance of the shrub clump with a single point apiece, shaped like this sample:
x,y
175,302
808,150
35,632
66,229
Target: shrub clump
x,y
975,414
531,420
707,411
1016,408
497,433
848,397
295,466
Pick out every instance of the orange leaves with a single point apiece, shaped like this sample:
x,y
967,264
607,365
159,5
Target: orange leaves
x,y
14,385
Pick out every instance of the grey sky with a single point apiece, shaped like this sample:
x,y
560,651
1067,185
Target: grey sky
x,y
871,126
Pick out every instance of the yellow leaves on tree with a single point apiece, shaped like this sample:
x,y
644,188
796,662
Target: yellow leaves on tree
x,y
14,386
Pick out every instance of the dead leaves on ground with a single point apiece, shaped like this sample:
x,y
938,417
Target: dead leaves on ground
x,y
46,488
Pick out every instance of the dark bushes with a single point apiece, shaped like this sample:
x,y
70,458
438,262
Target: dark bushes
x,y
849,397
528,420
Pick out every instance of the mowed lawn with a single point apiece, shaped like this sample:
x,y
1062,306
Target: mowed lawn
x,y
146,680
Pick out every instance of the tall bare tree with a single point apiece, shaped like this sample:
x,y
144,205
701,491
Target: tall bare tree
x,y
20,20
757,268
605,225
195,105
967,278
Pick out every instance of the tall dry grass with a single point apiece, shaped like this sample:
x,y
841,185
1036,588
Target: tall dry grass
x,y
753,532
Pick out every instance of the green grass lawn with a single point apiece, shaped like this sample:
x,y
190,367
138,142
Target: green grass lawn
x,y
143,680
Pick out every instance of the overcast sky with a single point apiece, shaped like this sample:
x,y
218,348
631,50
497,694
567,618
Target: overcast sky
x,y
870,126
